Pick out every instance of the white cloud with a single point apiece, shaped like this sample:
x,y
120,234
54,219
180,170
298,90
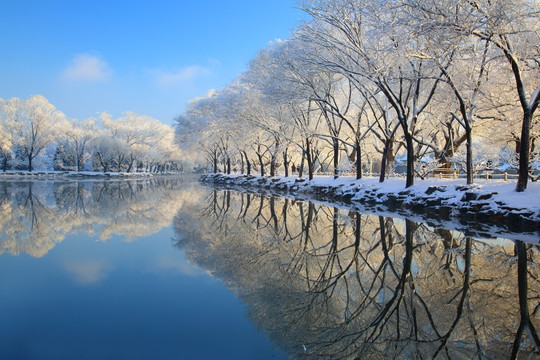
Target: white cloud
x,y
170,78
87,272
86,67
178,265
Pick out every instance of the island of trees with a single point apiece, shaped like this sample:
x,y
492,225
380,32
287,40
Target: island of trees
x,y
438,86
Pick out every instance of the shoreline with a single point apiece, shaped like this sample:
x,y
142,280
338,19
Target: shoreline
x,y
488,209
75,175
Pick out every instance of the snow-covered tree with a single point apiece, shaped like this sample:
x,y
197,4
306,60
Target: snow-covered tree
x,y
7,134
64,160
292,115
201,128
78,136
108,152
369,42
511,27
37,124
133,140
414,78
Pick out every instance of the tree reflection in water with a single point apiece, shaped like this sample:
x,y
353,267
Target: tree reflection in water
x,y
328,283
36,215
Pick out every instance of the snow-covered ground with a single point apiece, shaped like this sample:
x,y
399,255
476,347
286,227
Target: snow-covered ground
x,y
490,208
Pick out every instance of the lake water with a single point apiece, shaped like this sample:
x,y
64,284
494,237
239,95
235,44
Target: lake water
x,y
166,268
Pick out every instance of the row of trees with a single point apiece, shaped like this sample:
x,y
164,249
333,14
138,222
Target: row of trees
x,y
32,127
435,83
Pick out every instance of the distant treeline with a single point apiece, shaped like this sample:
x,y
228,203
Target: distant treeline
x,y
34,134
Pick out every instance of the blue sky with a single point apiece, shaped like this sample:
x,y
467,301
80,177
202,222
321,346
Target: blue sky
x,y
150,57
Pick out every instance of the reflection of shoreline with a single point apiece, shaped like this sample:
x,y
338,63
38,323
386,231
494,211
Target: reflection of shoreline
x,y
77,175
484,224
329,283
36,215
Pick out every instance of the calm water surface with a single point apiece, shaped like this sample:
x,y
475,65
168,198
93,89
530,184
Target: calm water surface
x,y
168,269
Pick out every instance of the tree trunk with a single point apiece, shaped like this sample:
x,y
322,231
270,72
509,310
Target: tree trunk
x,y
228,165
286,163
309,159
30,163
130,166
119,163
410,159
248,164
274,158
388,148
261,163
301,167
242,165
452,145
470,178
336,158
358,160
524,149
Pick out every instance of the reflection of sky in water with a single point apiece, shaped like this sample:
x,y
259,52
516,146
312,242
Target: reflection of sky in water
x,y
87,299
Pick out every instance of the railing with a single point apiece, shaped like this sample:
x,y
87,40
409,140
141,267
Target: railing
x,y
458,174
446,173
439,174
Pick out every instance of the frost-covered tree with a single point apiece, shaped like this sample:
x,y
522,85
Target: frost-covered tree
x,y
511,27
64,160
78,136
37,124
158,150
369,42
185,137
7,134
330,92
415,79
268,120
108,152
132,140
292,115
202,128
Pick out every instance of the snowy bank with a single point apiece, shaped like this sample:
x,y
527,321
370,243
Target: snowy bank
x,y
489,208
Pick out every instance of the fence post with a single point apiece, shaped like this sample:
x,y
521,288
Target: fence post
x,y
505,176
